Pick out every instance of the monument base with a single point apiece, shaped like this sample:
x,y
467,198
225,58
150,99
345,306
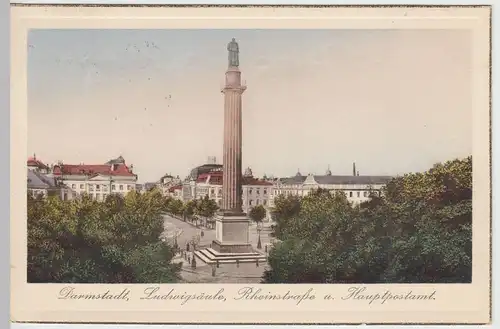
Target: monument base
x,y
232,233
232,245
231,248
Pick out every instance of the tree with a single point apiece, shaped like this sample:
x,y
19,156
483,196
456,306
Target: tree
x,y
189,208
285,208
257,214
417,231
175,207
85,241
206,208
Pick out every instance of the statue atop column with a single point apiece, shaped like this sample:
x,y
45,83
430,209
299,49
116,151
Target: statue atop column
x,y
233,56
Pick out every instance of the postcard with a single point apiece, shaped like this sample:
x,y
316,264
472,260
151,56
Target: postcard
x,y
312,165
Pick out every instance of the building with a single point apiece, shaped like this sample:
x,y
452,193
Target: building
x,y
36,165
167,182
41,184
175,192
97,180
208,181
356,188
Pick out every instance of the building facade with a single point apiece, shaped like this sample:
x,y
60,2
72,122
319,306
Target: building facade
x,y
97,181
40,184
209,183
356,188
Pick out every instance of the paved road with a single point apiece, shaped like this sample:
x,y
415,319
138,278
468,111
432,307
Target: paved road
x,y
226,273
186,232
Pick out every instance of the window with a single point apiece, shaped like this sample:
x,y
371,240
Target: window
x,y
121,187
74,195
264,202
91,187
105,188
212,191
98,187
359,193
365,194
82,186
73,186
129,187
265,191
350,194
113,187
250,202
258,191
258,202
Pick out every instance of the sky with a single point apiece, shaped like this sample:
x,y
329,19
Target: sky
x,y
393,101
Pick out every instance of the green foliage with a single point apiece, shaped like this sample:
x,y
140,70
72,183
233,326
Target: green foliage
x,y
206,207
174,207
85,241
189,208
258,213
284,210
418,231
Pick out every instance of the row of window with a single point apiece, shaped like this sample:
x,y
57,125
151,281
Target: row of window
x,y
104,187
97,196
264,202
347,193
250,191
250,202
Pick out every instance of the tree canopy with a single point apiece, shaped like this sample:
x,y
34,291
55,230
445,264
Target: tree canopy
x,y
85,241
418,231
257,213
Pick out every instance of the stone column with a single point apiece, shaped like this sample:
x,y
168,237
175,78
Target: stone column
x,y
232,224
232,174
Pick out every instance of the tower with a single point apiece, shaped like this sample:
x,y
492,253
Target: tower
x,y
232,225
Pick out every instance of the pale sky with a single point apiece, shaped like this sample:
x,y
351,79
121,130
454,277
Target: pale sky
x,y
393,101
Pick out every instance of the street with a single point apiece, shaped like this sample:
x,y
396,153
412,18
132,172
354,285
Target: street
x,y
227,273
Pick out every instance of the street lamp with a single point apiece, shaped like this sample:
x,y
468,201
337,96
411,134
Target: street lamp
x,y
259,243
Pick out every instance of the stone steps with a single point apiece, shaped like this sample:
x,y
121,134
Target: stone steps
x,y
210,256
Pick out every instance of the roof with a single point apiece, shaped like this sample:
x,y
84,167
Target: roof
x,y
120,170
255,181
176,187
148,186
119,160
203,169
293,180
215,178
352,180
34,162
39,181
339,180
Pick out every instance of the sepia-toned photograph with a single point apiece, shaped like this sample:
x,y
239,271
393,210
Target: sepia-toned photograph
x,y
254,156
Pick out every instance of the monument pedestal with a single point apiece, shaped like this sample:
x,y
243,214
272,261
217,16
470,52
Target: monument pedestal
x,y
232,233
232,242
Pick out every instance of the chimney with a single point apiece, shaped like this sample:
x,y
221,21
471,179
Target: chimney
x,y
358,173
354,168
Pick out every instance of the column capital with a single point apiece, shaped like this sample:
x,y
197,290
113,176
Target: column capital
x,y
239,89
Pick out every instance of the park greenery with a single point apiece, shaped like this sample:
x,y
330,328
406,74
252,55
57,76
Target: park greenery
x,y
197,211
419,230
86,241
